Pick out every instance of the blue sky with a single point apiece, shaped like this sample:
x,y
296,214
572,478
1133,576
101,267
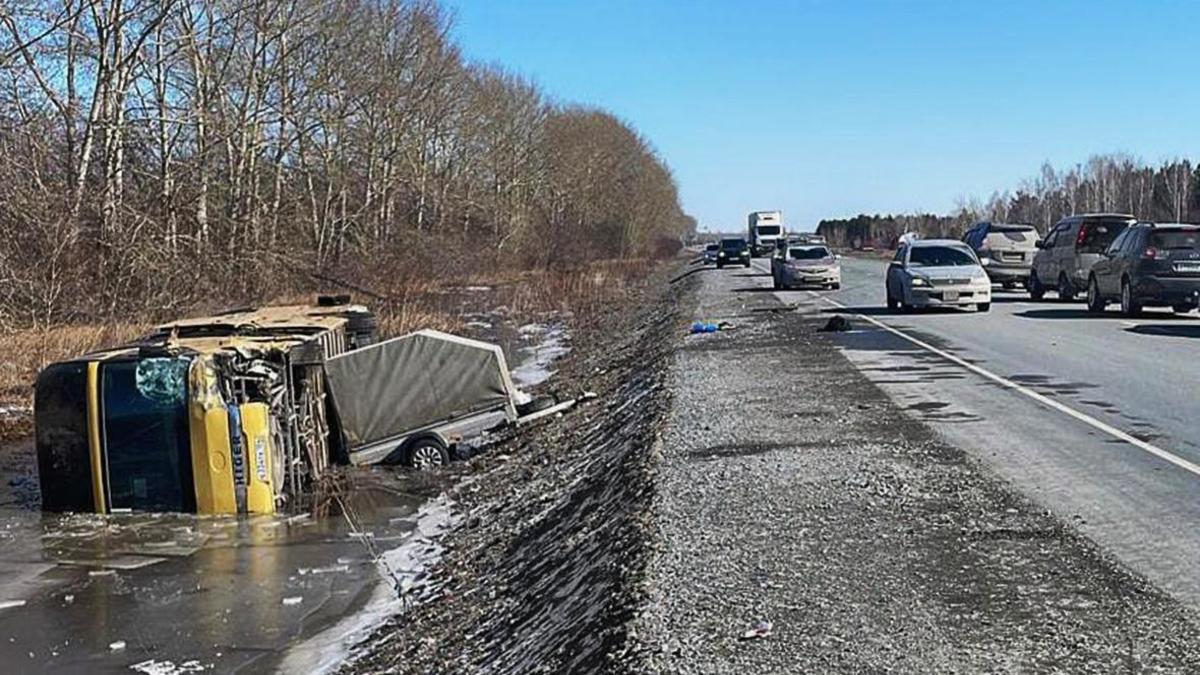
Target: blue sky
x,y
827,109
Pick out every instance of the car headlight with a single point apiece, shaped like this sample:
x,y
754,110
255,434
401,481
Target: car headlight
x,y
721,254
919,281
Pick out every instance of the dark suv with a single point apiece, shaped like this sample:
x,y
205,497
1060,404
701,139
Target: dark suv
x,y
1148,264
733,252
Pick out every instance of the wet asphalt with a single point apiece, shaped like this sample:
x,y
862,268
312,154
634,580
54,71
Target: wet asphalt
x,y
846,492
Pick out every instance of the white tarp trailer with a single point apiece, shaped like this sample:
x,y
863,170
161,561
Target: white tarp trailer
x,y
415,397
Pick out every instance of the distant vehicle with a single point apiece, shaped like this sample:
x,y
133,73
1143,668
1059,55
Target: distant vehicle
x,y
1148,265
937,273
799,239
763,229
806,266
733,251
1067,253
1010,246
710,253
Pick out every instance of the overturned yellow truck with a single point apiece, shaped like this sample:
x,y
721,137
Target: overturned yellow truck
x,y
241,412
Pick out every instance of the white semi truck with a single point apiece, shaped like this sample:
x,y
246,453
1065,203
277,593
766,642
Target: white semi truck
x,y
764,228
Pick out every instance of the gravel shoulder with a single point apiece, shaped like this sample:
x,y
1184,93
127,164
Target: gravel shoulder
x,y
791,490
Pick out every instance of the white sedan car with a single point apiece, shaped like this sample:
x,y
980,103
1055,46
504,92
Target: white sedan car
x,y
937,273
805,265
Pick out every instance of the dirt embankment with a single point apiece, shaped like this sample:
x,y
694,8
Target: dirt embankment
x,y
541,574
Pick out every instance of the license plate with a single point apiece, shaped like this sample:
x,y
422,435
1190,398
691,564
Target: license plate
x,y
950,296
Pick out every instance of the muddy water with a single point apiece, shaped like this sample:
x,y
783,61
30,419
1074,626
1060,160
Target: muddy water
x,y
176,593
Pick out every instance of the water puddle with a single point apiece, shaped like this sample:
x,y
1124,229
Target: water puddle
x,y
174,593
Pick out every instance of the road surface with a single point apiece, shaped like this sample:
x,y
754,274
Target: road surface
x,y
1092,417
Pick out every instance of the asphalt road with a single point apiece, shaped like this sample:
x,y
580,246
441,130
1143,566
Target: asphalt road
x,y
1092,417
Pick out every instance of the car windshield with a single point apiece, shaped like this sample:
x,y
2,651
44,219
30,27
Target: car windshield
x,y
809,253
733,243
1176,239
940,256
711,247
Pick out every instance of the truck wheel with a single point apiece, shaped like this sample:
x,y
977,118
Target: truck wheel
x,y
983,306
536,404
427,453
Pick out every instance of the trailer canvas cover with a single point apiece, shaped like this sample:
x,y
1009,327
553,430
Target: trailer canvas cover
x,y
405,384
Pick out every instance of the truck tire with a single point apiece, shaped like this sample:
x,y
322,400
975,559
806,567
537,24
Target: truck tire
x,y
426,453
536,404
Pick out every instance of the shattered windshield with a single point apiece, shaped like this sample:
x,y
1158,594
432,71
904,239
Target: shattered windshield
x,y
146,439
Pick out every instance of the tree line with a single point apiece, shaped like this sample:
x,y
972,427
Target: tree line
x,y
157,153
1168,192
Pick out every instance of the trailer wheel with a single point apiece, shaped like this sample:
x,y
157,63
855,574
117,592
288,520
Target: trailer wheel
x,y
536,404
427,453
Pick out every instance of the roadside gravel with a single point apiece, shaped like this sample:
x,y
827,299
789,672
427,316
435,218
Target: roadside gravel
x,y
792,491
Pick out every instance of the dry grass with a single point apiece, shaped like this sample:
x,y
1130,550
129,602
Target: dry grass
x,y
24,353
583,291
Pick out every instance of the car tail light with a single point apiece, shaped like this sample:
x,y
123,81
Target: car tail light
x,y
1082,236
1150,253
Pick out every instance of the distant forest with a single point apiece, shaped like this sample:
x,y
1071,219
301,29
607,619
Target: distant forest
x,y
1169,192
159,153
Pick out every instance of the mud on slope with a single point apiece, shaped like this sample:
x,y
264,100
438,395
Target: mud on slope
x,y
540,575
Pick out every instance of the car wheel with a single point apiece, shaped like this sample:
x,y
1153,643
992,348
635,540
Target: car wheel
x,y
1182,309
775,283
747,265
1036,290
1065,290
892,303
720,266
984,306
1095,302
835,287
1129,306
427,453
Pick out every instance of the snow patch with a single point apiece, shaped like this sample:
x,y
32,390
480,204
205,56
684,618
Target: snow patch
x,y
550,342
410,562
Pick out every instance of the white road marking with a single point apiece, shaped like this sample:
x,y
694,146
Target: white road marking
x,y
1104,427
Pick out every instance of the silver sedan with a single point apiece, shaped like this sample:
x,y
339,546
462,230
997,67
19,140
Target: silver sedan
x,y
937,273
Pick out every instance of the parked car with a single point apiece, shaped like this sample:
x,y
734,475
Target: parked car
x,y
937,273
806,266
1065,257
710,253
1148,265
733,251
1010,247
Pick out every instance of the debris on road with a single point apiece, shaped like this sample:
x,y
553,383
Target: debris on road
x,y
117,646
710,327
295,600
758,631
836,324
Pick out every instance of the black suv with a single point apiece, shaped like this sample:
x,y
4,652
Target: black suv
x,y
733,252
1148,264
